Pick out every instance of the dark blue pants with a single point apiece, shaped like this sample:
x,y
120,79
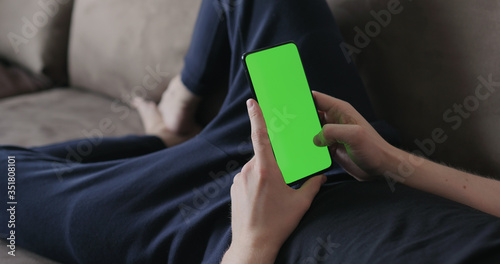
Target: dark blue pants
x,y
130,200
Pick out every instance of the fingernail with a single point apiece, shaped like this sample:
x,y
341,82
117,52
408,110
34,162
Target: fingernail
x,y
250,103
316,141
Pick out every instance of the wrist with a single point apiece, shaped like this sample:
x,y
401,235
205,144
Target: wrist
x,y
402,166
395,165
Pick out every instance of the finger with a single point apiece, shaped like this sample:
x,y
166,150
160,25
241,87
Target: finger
x,y
342,158
320,140
311,187
137,101
260,138
337,111
322,118
325,102
333,133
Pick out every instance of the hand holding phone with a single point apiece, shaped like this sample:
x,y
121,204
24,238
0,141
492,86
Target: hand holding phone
x,y
280,86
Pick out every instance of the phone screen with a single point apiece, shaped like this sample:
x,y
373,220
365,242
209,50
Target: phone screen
x,y
280,86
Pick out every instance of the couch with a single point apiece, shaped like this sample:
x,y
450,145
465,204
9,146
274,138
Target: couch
x,y
69,68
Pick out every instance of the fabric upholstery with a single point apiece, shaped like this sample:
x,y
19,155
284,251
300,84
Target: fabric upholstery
x,y
58,115
34,35
22,257
126,47
422,61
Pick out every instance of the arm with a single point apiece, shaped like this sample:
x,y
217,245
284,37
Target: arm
x,y
472,190
264,209
358,148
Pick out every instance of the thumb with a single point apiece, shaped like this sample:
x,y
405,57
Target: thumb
x,y
311,187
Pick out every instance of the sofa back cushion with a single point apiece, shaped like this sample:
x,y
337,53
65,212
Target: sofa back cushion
x,y
126,47
34,35
432,69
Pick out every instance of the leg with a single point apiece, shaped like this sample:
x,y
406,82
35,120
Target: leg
x,y
146,209
364,222
102,149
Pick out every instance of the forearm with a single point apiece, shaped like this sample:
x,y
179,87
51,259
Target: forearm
x,y
472,190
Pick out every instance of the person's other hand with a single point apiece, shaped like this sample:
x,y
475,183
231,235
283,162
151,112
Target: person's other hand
x,y
178,107
265,210
353,142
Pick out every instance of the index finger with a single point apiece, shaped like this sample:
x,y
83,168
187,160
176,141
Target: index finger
x,y
337,111
260,138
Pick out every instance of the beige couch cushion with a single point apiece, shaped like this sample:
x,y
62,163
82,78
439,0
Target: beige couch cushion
x,y
22,256
129,47
34,35
58,115
425,70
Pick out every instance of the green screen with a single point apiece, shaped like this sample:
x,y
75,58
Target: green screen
x,y
281,88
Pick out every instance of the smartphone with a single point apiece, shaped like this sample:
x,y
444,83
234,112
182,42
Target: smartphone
x,y
280,86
